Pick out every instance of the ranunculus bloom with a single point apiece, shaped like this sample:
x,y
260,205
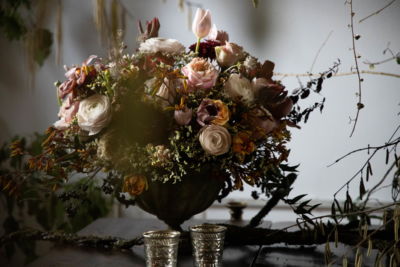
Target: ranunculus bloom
x,y
229,54
200,73
162,45
239,88
201,23
134,184
272,96
243,144
212,112
215,139
183,116
94,113
67,112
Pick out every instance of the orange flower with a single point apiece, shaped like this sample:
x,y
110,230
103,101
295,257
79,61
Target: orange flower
x,y
134,184
242,144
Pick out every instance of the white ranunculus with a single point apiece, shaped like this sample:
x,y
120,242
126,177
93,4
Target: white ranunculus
x,y
94,113
238,87
162,45
215,139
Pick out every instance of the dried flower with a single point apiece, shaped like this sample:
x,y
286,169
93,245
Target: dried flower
x,y
67,112
201,23
134,184
215,139
200,73
242,144
212,112
261,122
94,113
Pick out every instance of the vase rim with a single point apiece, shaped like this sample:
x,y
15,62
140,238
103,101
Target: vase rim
x,y
208,228
161,234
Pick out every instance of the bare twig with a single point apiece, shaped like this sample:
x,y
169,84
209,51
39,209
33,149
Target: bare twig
x,y
378,11
337,74
389,143
395,142
319,51
353,38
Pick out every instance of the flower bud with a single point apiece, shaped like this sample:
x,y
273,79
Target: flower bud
x,y
202,23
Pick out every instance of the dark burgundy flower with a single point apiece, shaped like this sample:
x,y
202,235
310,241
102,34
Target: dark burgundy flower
x,y
207,48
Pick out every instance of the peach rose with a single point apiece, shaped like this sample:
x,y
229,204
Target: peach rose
x,y
200,74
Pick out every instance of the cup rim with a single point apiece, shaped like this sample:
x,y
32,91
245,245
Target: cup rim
x,y
208,228
161,234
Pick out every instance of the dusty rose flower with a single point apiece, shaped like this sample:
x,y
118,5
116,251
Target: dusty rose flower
x,y
212,112
66,88
152,28
67,112
229,54
161,45
94,113
134,184
272,96
261,121
200,73
239,88
183,116
201,25
215,139
218,35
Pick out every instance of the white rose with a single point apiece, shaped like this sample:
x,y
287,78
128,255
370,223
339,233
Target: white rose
x,y
215,139
239,87
162,45
94,113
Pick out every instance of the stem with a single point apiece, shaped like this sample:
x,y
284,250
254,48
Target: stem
x,y
198,45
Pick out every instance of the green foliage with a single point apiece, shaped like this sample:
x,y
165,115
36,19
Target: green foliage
x,y
46,207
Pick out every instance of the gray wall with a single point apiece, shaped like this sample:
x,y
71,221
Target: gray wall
x,y
286,32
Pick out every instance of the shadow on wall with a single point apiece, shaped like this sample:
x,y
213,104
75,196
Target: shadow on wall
x,y
4,131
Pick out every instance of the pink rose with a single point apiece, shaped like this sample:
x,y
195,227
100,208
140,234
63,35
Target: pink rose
x,y
202,23
200,74
229,54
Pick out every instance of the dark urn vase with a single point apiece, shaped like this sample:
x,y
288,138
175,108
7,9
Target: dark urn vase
x,y
176,203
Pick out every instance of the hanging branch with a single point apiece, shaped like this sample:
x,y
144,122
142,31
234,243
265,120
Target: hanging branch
x,y
378,11
391,143
354,37
336,74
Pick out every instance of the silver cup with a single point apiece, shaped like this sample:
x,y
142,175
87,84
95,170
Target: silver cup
x,y
208,244
161,248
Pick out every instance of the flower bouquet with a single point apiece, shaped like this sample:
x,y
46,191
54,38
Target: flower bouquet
x,y
175,128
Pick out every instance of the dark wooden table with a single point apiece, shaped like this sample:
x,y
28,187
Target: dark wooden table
x,y
279,255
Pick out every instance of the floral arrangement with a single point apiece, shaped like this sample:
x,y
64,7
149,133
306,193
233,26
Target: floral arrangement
x,y
167,111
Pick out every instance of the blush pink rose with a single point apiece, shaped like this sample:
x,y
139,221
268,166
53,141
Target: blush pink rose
x,y
200,74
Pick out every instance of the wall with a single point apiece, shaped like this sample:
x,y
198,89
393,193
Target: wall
x,y
286,32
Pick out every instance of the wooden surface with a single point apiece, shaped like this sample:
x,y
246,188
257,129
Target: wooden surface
x,y
279,255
